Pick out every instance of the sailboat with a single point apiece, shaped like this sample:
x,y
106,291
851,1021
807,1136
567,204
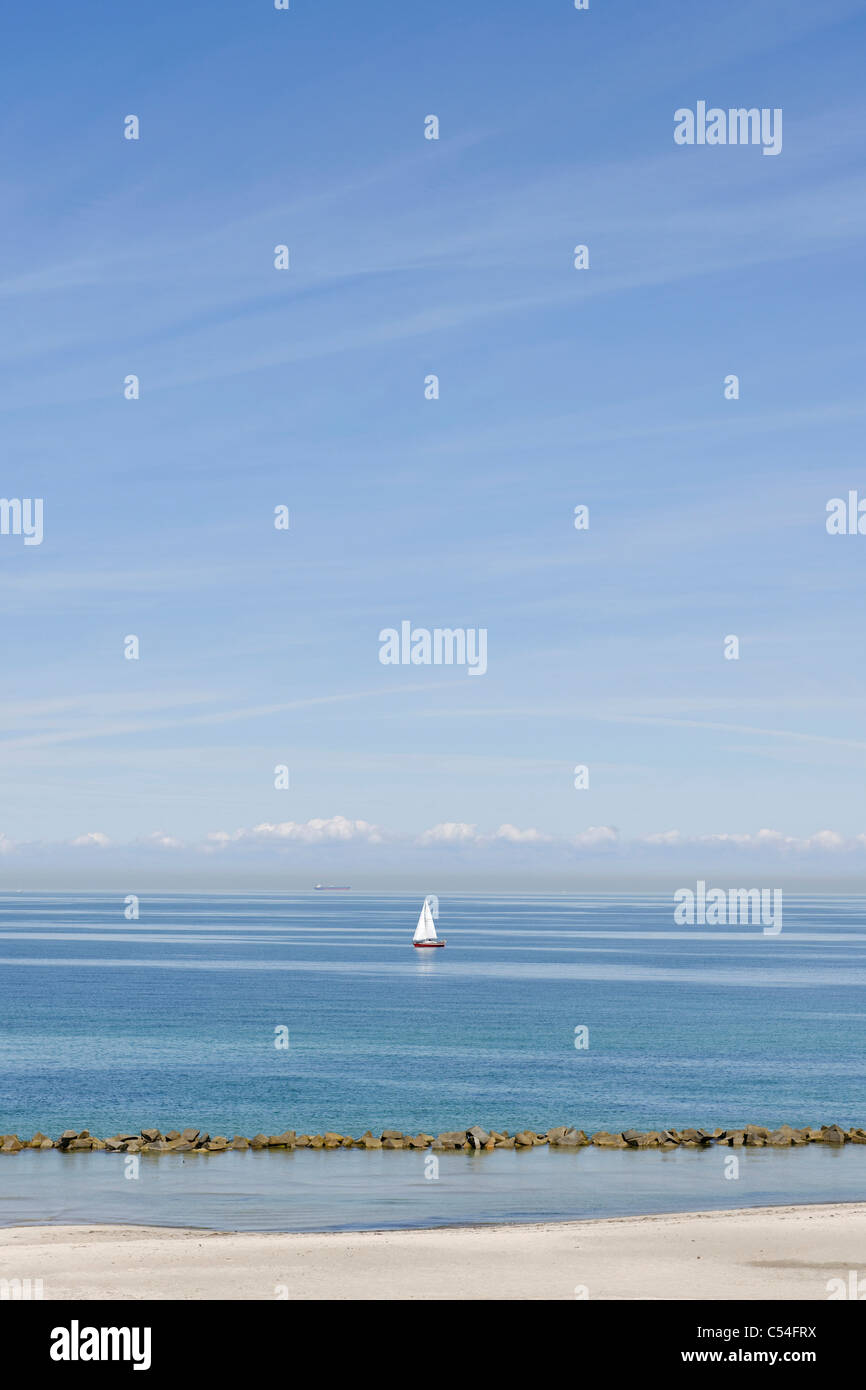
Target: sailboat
x,y
425,932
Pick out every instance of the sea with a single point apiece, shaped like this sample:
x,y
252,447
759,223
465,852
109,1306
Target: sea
x,y
241,1013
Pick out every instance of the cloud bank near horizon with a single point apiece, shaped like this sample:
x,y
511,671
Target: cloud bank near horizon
x,y
341,839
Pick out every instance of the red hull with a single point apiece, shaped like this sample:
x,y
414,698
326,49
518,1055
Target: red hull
x,y
426,944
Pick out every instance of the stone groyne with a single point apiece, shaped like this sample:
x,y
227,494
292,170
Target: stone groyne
x,y
473,1139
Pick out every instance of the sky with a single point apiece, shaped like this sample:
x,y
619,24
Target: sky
x,y
304,387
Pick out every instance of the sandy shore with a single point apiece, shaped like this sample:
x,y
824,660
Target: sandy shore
x,y
769,1252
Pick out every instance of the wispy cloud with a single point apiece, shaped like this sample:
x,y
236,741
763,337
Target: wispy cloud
x,y
111,728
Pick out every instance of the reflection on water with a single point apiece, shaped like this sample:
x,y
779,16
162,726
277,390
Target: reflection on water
x,y
347,1189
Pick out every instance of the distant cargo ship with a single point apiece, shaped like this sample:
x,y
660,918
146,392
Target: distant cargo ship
x,y
332,888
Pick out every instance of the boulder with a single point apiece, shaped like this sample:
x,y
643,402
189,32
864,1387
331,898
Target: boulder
x,y
239,1142
182,1146
857,1136
218,1144
391,1134
47,1144
780,1139
526,1139
504,1143
369,1141
259,1141
172,1134
79,1144
67,1136
317,1141
286,1140
393,1144
568,1139
150,1136
603,1140
190,1135
12,1144
832,1134
756,1136
332,1139
670,1137
477,1137
421,1141
651,1140
202,1141
157,1146
554,1135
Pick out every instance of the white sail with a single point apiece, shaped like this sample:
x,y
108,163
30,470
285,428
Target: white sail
x,y
426,928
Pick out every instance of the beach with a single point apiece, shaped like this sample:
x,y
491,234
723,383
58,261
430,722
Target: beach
x,y
785,1252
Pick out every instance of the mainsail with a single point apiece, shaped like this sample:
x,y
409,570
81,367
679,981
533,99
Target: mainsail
x,y
426,928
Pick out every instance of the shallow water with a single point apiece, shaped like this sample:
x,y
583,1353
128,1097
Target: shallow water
x,y
353,1190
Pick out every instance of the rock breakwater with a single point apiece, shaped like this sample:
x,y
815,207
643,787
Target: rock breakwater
x,y
475,1139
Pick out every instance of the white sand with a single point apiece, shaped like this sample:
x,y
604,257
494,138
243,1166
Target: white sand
x,y
770,1252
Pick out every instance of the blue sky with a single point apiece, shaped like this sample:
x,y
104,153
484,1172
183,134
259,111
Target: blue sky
x,y
306,387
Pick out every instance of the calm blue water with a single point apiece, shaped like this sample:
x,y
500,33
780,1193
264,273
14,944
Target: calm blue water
x,y
351,1190
170,1021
